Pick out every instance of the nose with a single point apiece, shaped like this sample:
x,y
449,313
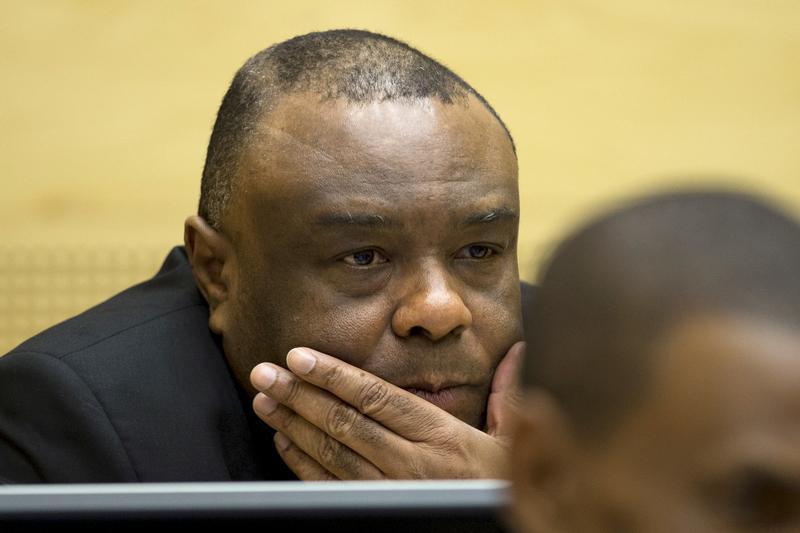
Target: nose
x,y
431,307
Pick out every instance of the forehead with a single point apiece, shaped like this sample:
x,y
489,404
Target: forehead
x,y
332,151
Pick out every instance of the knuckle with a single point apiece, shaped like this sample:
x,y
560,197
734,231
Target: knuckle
x,y
339,421
285,419
405,406
294,390
329,451
416,470
372,398
333,377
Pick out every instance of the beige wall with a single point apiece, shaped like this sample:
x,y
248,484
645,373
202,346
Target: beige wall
x,y
106,108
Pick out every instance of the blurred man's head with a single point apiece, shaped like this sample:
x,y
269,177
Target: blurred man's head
x,y
663,373
361,199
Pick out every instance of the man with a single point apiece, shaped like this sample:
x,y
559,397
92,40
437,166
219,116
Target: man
x,y
662,378
359,200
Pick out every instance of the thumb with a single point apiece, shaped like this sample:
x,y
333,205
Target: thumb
x,y
505,391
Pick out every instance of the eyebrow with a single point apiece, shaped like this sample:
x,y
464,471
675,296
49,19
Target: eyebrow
x,y
348,218
371,220
493,215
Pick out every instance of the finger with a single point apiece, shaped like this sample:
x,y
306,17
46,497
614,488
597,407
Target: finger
x,y
388,452
505,391
303,466
331,454
330,415
397,409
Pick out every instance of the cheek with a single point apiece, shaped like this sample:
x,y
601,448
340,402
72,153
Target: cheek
x,y
497,320
287,305
349,331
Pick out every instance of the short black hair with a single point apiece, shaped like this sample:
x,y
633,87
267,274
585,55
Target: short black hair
x,y
356,65
614,286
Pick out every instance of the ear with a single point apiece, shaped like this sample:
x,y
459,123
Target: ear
x,y
213,261
543,465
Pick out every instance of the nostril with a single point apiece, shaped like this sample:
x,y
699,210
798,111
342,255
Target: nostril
x,y
416,331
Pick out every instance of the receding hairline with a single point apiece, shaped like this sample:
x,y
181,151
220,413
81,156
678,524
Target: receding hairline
x,y
358,65
468,102
263,131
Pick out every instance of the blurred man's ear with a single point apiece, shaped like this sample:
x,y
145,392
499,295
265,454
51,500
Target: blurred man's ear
x,y
542,466
212,259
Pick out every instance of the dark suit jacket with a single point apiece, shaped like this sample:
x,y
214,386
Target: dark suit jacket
x,y
135,389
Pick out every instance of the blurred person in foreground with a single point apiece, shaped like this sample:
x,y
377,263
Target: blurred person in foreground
x,y
662,376
357,225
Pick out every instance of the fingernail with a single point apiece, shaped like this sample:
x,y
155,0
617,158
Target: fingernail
x,y
264,405
282,441
263,376
300,360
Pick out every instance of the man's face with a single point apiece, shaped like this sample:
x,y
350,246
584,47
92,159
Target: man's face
x,y
383,234
714,445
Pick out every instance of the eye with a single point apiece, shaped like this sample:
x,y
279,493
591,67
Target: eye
x,y
476,251
364,258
